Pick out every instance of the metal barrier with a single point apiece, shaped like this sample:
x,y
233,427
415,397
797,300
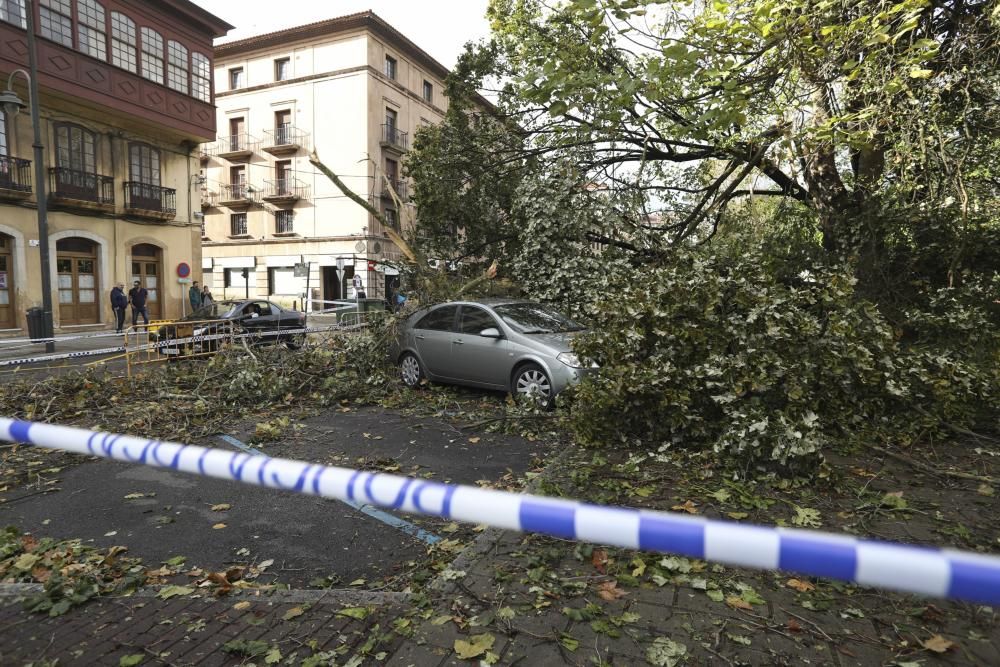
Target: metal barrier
x,y
909,568
166,340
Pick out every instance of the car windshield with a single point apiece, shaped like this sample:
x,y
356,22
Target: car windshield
x,y
214,310
535,318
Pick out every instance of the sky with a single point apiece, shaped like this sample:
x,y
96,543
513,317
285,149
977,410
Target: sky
x,y
439,27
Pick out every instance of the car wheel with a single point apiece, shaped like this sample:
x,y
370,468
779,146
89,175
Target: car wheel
x,y
532,384
410,370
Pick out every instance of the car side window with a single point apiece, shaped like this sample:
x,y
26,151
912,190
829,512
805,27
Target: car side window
x,y
474,320
439,319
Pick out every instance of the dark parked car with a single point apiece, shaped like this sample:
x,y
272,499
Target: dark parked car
x,y
516,346
248,316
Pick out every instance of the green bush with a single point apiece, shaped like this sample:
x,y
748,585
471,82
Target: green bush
x,y
712,351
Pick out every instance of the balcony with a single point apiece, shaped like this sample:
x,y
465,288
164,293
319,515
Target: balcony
x,y
240,195
393,138
206,151
72,188
284,140
15,178
209,199
150,201
398,186
236,147
284,191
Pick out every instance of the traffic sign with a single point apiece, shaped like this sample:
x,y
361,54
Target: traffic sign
x,y
183,270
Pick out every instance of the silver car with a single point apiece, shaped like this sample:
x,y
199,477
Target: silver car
x,y
516,346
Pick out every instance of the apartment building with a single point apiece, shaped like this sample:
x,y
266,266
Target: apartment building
x,y
354,90
125,99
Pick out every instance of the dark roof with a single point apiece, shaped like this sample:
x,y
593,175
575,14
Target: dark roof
x,y
215,25
341,24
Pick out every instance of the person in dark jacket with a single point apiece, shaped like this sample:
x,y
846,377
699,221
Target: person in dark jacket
x,y
118,303
137,297
194,296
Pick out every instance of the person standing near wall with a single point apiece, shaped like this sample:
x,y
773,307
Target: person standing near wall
x,y
137,297
194,295
118,303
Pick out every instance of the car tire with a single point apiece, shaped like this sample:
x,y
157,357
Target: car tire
x,y
531,383
410,370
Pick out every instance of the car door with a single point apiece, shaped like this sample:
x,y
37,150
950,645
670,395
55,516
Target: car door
x,y
477,358
432,337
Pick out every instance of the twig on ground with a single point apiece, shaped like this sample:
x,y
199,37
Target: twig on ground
x,y
943,473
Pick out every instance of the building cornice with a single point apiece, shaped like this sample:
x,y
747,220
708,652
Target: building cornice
x,y
343,24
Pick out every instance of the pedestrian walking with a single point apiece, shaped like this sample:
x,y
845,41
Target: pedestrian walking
x,y
118,303
359,287
206,296
194,294
137,297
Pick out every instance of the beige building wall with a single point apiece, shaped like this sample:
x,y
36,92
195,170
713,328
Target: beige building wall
x,y
113,231
337,93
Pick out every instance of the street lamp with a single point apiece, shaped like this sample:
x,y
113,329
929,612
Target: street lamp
x,y
12,104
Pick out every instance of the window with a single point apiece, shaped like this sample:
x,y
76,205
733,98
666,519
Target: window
x,y
283,173
282,69
439,319
283,222
390,67
238,224
236,78
201,77
428,92
123,52
177,67
391,219
75,148
92,28
282,127
282,281
57,21
234,278
152,55
12,11
144,164
474,320
238,180
3,133
392,171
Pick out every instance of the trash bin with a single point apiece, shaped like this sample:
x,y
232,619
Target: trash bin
x,y
36,324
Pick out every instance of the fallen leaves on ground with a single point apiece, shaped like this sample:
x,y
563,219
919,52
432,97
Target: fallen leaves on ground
x,y
938,644
800,586
476,646
688,507
609,591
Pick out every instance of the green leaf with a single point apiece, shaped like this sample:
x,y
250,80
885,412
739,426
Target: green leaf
x,y
475,647
360,613
131,660
558,108
665,652
273,656
26,561
715,595
250,649
569,642
805,516
173,591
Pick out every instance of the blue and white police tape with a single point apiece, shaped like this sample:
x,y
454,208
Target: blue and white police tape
x,y
913,569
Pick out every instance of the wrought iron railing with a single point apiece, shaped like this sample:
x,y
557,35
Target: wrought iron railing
x,y
398,185
393,135
285,187
81,185
236,143
238,224
237,192
15,174
285,135
146,197
284,222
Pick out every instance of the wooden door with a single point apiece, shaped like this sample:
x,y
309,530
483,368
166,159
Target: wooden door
x,y
146,269
76,269
7,290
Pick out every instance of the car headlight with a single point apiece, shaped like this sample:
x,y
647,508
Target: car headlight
x,y
569,359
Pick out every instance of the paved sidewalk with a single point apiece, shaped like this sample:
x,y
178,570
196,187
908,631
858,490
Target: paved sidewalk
x,y
82,341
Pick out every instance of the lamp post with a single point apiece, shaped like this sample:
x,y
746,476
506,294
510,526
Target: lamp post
x,y
12,104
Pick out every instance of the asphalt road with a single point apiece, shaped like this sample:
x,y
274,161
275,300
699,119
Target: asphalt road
x,y
308,538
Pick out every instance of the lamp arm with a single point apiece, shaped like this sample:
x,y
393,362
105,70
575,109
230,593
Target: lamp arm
x,y
27,77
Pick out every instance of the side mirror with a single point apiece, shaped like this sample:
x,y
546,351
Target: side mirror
x,y
492,332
